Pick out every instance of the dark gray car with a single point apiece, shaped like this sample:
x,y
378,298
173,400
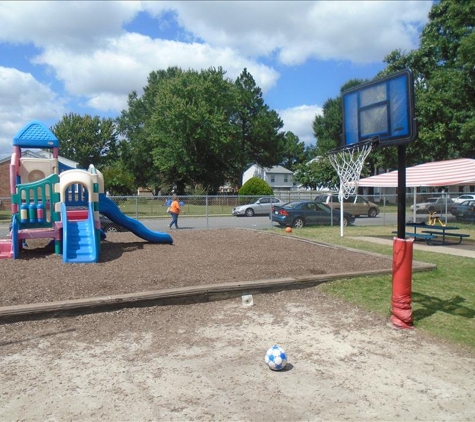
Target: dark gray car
x,y
307,213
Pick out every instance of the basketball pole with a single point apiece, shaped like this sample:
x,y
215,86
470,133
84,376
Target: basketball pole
x,y
383,110
401,194
402,255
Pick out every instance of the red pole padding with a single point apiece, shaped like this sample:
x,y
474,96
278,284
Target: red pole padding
x,y
402,283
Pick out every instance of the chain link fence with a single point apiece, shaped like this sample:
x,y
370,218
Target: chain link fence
x,y
203,209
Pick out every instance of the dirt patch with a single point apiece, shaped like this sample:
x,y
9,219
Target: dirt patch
x,y
206,361
128,264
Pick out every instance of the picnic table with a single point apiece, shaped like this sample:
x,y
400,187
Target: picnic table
x,y
418,236
446,231
432,233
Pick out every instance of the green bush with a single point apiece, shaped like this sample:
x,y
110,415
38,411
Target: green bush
x,y
255,186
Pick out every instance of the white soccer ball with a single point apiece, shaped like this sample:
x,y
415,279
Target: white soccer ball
x,y
276,358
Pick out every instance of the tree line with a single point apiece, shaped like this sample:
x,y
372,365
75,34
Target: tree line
x,y
189,132
193,131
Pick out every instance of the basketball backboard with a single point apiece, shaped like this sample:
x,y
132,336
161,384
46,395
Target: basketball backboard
x,y
381,110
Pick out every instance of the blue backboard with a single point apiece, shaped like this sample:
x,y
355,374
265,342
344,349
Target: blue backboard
x,y
381,110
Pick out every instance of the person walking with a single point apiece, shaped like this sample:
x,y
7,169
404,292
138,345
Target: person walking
x,y
174,211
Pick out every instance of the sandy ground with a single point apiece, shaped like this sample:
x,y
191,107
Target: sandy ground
x,y
206,362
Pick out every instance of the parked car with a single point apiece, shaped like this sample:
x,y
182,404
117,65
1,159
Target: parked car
x,y
109,226
354,204
261,206
464,197
307,213
433,205
464,211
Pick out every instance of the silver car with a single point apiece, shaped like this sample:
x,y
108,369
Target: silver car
x,y
261,206
439,204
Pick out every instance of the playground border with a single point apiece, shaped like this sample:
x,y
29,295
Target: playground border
x,y
182,295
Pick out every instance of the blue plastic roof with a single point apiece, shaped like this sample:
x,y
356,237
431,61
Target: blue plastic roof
x,y
35,135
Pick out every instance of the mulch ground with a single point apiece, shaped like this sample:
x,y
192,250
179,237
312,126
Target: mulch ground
x,y
198,257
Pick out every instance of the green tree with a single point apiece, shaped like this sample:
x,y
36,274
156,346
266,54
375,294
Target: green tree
x,y
189,129
327,127
86,139
118,180
294,151
257,138
255,186
310,152
317,174
443,68
136,148
198,129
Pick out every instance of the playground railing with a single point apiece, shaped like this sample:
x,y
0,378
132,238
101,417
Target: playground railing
x,y
33,203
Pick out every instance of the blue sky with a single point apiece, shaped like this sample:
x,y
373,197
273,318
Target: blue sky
x,y
86,57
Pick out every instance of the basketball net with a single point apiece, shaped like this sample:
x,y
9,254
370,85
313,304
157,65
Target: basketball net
x,y
348,163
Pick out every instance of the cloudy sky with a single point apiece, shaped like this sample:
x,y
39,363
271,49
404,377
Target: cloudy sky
x,y
87,56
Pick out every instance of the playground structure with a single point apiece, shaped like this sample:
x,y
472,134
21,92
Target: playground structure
x,y
52,201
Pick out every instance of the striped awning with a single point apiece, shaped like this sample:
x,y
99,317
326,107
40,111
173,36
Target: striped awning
x,y
438,173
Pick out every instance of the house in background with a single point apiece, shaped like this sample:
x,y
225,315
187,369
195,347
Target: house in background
x,y
5,160
5,175
277,177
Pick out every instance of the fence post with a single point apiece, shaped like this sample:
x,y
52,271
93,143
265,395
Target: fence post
x,y
207,211
270,217
136,207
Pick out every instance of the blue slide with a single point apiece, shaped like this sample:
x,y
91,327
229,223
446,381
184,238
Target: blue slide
x,y
113,213
79,238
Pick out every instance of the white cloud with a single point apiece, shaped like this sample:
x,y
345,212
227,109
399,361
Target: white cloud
x,y
107,75
299,120
22,98
360,31
78,25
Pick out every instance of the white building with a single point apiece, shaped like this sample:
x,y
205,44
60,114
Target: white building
x,y
277,177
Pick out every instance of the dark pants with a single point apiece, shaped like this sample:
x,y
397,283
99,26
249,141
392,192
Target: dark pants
x,y
174,220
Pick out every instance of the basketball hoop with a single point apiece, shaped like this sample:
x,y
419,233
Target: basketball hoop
x,y
348,163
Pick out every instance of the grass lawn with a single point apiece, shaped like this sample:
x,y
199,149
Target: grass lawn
x,y
443,300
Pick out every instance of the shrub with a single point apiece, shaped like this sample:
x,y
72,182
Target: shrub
x,y
255,186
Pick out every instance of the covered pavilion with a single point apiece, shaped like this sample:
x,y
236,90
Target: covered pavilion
x,y
460,171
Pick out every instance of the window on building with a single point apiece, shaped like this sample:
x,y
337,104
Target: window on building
x,y
272,178
286,178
